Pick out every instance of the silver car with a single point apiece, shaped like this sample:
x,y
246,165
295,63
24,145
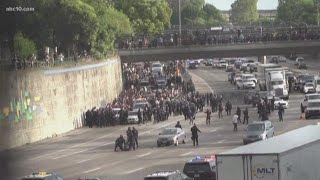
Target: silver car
x,y
258,131
170,136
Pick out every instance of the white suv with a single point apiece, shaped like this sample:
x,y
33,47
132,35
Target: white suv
x,y
245,84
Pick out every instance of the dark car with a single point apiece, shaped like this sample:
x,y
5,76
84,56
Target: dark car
x,y
201,168
302,66
274,60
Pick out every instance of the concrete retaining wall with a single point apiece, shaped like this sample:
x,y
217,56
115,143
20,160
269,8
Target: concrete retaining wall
x,y
38,104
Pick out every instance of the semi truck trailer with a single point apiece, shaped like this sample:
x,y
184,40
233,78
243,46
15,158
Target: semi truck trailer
x,y
291,156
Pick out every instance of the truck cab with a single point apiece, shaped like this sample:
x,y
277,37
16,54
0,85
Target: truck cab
x,y
317,83
277,83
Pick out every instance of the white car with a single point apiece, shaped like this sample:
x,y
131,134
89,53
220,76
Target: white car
x,y
250,77
309,88
299,60
246,84
133,117
237,77
223,64
156,67
170,136
278,100
309,97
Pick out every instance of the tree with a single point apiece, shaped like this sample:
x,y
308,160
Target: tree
x,y
244,12
23,46
212,15
72,26
298,12
192,12
146,16
174,5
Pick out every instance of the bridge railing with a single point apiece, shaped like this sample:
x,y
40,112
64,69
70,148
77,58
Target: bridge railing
x,y
213,40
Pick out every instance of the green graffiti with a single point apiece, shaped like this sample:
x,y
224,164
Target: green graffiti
x,y
29,117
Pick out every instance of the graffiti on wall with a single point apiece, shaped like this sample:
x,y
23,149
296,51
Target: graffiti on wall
x,y
21,108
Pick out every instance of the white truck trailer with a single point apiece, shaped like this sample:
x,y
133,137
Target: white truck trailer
x,y
262,74
291,156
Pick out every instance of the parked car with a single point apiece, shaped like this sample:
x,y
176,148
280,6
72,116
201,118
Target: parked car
x,y
309,88
133,117
278,101
299,60
274,59
309,97
223,64
171,136
302,66
245,84
250,77
257,131
312,109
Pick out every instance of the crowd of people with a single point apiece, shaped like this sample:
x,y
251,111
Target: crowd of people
x,y
210,37
163,101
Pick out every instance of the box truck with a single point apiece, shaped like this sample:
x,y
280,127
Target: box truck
x,y
291,156
262,74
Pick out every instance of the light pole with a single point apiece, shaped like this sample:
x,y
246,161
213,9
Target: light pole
x,y
318,3
179,41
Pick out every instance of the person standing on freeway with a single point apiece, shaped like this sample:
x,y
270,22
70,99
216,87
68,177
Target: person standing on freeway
x,y
135,136
178,125
194,137
235,122
208,112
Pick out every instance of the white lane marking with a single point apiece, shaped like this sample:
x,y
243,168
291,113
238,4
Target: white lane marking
x,y
221,141
186,153
83,161
146,154
48,154
84,150
214,130
91,170
203,82
77,152
135,170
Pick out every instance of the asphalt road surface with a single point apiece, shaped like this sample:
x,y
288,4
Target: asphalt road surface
x,y
89,152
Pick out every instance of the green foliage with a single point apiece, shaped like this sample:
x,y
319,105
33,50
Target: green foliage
x,y
212,15
244,12
297,12
146,16
23,46
71,25
196,12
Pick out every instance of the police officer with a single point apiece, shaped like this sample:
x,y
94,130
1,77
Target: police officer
x,y
130,139
280,112
135,136
208,112
139,116
238,113
245,116
220,110
194,132
178,125
119,143
272,104
228,108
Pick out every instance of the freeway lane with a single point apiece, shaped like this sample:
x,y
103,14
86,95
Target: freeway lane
x,y
89,152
